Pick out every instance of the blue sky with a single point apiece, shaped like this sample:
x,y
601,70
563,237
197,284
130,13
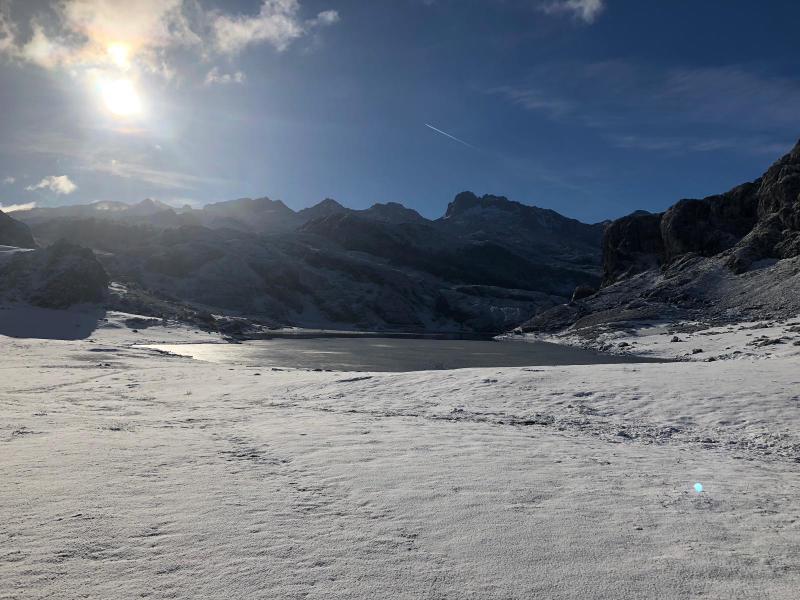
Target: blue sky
x,y
594,108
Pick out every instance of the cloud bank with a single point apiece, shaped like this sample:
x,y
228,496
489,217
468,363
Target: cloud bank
x,y
17,207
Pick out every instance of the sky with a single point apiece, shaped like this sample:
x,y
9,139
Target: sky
x,y
594,108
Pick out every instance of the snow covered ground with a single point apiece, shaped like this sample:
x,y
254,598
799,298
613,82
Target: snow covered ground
x,y
132,474
688,340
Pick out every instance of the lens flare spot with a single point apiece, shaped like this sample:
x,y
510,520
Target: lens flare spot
x,y
698,487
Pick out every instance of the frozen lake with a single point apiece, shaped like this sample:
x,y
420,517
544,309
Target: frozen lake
x,y
391,354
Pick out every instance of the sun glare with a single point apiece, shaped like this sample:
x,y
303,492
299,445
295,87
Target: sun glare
x,y
120,54
120,97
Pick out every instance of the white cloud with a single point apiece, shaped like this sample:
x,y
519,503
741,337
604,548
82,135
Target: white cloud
x,y
277,23
18,207
327,17
8,33
60,184
214,76
9,180
146,35
100,33
585,10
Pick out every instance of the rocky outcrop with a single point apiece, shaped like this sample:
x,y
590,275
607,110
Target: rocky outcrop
x,y
731,256
752,222
14,233
55,277
710,226
632,245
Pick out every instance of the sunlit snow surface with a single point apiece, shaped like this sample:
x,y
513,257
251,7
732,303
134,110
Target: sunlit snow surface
x,y
127,473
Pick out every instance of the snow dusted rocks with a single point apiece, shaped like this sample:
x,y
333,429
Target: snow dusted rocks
x,y
55,277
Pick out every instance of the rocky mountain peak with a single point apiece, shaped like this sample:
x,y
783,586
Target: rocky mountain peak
x,y
468,201
148,206
330,203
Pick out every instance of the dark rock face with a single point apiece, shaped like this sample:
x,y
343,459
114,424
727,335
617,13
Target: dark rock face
x,y
708,227
14,233
632,245
467,211
731,256
55,277
583,291
752,222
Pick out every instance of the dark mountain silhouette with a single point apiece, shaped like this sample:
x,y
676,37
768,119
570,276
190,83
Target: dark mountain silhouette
x,y
487,265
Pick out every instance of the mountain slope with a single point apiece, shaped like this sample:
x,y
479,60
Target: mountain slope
x,y
732,256
15,233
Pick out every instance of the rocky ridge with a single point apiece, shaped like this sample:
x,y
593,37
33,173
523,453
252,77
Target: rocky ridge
x,y
728,257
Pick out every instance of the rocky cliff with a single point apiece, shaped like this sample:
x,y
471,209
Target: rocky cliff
x,y
730,256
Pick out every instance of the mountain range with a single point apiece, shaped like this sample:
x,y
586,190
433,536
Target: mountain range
x,y
486,265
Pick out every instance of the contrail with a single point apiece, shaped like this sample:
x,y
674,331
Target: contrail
x,y
452,137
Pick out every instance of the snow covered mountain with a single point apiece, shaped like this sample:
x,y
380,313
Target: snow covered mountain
x,y
487,265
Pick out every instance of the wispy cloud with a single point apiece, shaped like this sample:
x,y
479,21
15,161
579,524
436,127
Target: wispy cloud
x,y
9,180
99,157
535,99
59,184
17,207
647,108
162,178
693,144
215,76
584,10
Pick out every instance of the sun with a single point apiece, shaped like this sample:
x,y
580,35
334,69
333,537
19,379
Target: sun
x,y
120,55
120,97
